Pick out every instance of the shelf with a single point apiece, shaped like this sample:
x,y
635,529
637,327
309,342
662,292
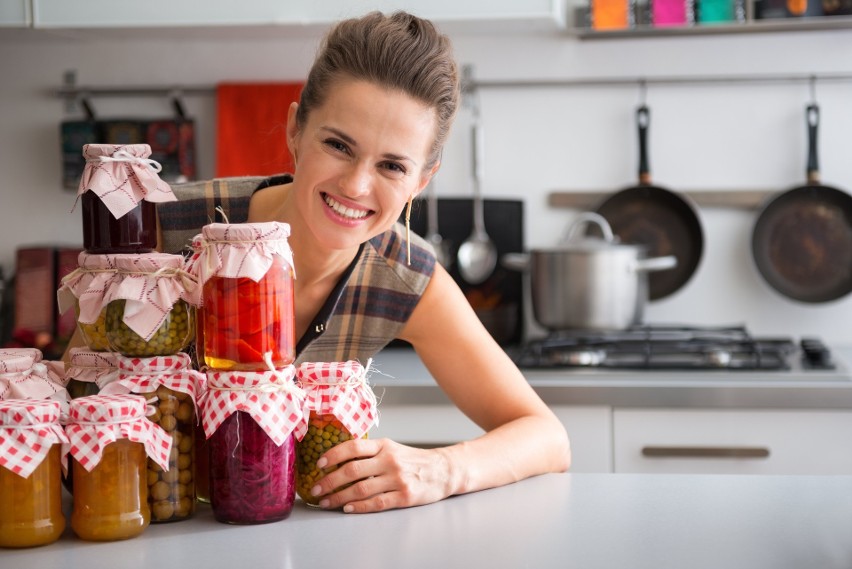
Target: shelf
x,y
748,199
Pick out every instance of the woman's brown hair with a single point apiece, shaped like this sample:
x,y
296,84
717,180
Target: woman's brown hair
x,y
397,51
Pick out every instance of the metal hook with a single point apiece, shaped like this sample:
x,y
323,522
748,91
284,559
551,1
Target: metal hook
x,y
177,104
643,92
813,80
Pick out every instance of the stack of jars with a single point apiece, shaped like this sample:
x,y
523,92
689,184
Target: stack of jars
x,y
252,409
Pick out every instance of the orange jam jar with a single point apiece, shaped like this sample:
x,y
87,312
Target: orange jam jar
x,y
110,441
342,407
247,299
30,477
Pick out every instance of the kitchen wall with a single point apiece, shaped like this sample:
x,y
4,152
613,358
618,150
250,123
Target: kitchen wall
x,y
732,136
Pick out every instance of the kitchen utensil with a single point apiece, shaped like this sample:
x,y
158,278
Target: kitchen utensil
x,y
588,282
432,234
665,222
477,256
802,238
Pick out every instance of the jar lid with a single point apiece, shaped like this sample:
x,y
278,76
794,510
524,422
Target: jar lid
x,y
28,430
143,375
340,389
90,366
106,409
240,250
17,360
28,412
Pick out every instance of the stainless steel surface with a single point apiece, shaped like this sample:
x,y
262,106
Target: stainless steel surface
x,y
477,256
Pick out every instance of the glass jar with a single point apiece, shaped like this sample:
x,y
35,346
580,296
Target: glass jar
x,y
172,336
202,465
110,441
93,334
250,419
119,190
30,490
88,371
247,275
84,289
342,407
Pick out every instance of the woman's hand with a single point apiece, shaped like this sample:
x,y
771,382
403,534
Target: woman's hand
x,y
383,475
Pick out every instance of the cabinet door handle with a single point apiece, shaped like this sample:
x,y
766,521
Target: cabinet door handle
x,y
705,452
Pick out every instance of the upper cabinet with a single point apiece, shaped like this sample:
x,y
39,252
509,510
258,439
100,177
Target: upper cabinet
x,y
182,13
15,14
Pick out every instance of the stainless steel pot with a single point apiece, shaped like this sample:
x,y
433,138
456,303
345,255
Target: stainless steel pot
x,y
586,282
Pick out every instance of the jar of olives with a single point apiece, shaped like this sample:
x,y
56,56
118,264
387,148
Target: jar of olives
x,y
341,406
30,473
246,273
119,190
110,441
23,375
148,305
89,371
170,386
250,419
84,289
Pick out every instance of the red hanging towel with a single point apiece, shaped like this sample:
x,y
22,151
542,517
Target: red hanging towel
x,y
251,138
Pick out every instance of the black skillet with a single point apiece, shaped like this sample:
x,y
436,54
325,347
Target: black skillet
x,y
665,222
802,238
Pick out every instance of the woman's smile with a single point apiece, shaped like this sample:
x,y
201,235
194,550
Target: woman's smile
x,y
349,213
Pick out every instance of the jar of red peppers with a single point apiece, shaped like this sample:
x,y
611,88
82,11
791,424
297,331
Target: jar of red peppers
x,y
246,273
25,375
251,419
84,289
119,190
110,441
341,407
170,386
88,371
30,473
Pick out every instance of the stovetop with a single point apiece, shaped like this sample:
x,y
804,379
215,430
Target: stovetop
x,y
667,347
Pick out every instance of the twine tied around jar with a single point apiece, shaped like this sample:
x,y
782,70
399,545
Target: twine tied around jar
x,y
125,156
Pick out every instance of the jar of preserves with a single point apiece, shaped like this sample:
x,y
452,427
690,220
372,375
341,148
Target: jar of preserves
x,y
83,289
246,274
30,473
119,190
25,375
341,407
89,371
110,441
171,387
250,419
149,308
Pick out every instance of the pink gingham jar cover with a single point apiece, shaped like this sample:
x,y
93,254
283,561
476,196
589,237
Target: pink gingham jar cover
x,y
150,283
340,389
271,398
100,368
23,375
240,250
122,176
28,429
143,375
87,283
98,420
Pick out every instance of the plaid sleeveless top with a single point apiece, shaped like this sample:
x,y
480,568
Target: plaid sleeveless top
x,y
370,304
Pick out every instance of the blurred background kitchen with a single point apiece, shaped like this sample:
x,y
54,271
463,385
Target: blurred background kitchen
x,y
575,136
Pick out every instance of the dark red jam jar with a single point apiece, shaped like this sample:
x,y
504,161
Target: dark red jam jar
x,y
134,232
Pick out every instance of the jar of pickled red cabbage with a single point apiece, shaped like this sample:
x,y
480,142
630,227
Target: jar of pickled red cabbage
x,y
110,441
170,386
30,473
246,273
341,407
148,303
119,190
250,419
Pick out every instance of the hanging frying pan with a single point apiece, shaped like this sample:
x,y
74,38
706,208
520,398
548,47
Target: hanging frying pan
x,y
802,238
662,220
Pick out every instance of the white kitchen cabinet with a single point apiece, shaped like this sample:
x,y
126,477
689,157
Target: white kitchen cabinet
x,y
172,13
15,14
589,429
742,441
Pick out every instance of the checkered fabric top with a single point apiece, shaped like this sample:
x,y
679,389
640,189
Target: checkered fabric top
x,y
340,389
28,430
23,375
86,365
143,375
13,360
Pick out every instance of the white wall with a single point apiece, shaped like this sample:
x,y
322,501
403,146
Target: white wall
x,y
537,140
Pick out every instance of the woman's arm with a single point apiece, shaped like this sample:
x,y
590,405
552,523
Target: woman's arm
x,y
523,437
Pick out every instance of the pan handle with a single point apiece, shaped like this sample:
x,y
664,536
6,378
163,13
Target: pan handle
x,y
643,121
656,263
812,117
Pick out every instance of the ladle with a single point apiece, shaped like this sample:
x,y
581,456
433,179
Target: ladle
x,y
432,234
477,256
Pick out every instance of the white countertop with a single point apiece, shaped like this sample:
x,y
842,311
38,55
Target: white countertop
x,y
559,520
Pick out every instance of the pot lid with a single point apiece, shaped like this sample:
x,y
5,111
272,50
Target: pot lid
x,y
577,240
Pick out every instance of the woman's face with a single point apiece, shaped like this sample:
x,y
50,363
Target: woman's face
x,y
359,158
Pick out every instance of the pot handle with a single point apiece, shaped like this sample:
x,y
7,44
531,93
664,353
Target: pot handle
x,y
655,263
586,218
516,261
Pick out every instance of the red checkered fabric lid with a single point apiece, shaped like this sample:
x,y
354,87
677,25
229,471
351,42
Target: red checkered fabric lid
x,y
23,375
271,398
98,420
142,375
28,430
340,389
122,175
100,368
239,250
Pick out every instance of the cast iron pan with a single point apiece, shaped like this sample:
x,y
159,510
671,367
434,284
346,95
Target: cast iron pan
x,y
665,222
802,239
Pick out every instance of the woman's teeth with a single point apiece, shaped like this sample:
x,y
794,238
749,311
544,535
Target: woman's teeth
x,y
347,212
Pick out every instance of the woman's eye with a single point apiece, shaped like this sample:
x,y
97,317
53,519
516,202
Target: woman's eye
x,y
394,167
336,145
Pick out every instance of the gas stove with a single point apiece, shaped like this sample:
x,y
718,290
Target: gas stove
x,y
666,347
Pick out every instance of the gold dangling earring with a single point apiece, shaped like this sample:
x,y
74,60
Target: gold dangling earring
x,y
408,228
